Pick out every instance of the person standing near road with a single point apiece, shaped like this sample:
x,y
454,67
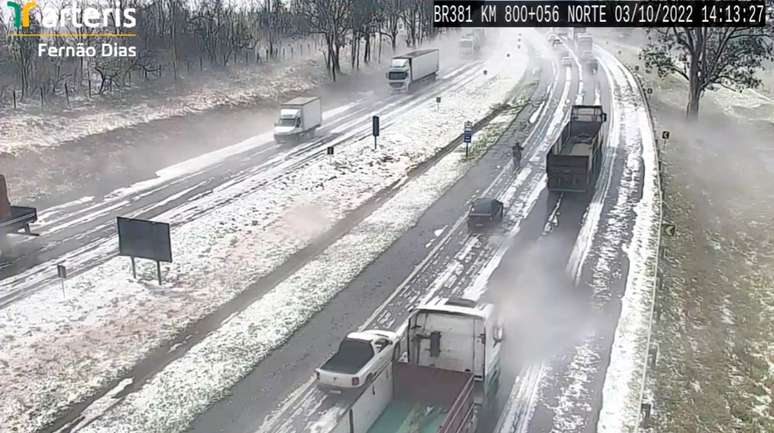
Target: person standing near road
x,y
517,155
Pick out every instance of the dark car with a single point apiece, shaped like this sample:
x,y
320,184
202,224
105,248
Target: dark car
x,y
485,212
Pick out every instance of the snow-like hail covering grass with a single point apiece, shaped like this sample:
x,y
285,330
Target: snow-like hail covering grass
x,y
33,129
624,378
58,351
188,385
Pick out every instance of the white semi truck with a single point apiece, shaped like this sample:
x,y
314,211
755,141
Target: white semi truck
x,y
410,68
444,379
298,119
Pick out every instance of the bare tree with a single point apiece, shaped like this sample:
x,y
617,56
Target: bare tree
x,y
331,19
729,57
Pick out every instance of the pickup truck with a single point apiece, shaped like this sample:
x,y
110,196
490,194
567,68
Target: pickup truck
x,y
360,357
13,219
444,381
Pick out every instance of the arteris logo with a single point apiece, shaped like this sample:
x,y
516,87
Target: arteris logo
x,y
91,17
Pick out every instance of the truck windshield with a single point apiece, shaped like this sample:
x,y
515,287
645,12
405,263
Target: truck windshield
x,y
288,121
400,75
351,357
466,44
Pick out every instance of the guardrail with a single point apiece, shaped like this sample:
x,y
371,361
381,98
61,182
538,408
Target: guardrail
x,y
646,407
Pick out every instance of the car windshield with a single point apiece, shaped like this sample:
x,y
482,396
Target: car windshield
x,y
351,357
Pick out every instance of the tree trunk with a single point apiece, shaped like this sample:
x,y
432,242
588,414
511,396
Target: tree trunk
x,y
695,80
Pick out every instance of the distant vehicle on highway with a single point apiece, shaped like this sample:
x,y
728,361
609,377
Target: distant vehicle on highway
x,y
485,212
361,356
413,67
299,118
13,219
566,61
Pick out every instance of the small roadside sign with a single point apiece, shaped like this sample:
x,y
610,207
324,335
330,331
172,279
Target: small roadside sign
x,y
375,128
61,272
468,135
669,229
650,90
329,150
665,135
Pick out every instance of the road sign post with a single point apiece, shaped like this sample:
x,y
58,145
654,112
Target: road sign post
x,y
375,128
438,103
61,272
665,135
467,136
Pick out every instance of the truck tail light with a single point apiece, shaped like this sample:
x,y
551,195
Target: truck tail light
x,y
355,381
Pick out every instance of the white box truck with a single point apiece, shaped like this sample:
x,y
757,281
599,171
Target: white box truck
x,y
410,68
471,42
444,380
298,119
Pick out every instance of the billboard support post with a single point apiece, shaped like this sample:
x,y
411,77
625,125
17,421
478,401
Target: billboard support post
x,y
134,269
158,270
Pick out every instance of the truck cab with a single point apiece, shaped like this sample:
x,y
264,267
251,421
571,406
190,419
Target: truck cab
x,y
399,75
458,335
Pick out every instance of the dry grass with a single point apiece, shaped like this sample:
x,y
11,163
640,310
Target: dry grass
x,y
716,324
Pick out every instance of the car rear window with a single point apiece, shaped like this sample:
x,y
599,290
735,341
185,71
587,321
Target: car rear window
x,y
351,357
484,207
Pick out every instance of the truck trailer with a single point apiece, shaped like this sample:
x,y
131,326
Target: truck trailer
x,y
444,379
584,46
411,68
573,163
299,118
13,219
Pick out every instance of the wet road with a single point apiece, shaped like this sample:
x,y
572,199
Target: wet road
x,y
438,257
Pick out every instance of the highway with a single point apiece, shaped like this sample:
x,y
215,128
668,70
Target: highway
x,y
558,264
76,232
561,330
279,395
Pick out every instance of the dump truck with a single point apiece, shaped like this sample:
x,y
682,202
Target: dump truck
x,y
444,380
299,118
573,163
13,219
410,68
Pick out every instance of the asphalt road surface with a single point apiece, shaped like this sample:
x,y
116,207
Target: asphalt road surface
x,y
279,395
